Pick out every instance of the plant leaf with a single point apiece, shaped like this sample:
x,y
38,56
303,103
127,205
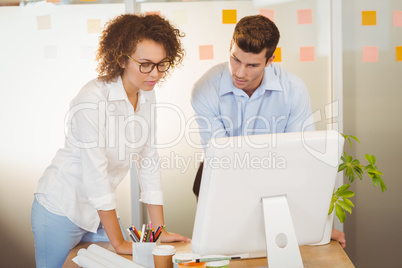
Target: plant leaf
x,y
383,187
370,158
350,203
347,194
331,208
342,188
340,213
345,206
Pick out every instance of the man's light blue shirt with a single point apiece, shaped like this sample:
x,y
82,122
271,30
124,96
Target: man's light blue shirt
x,y
280,104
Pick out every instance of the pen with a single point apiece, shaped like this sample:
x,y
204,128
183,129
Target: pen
x,y
142,233
216,259
131,235
136,232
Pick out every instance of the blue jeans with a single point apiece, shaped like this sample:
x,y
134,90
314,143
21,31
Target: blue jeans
x,y
56,235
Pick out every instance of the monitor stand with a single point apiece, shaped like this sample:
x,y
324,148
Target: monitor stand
x,y
280,237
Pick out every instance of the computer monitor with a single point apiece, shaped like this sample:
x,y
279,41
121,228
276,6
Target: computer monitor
x,y
240,172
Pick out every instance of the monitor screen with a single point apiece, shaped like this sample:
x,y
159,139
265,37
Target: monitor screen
x,y
239,171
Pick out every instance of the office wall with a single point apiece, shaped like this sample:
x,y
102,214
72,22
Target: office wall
x,y
372,97
46,56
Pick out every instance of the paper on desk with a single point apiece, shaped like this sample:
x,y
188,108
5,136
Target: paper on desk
x,y
87,262
98,257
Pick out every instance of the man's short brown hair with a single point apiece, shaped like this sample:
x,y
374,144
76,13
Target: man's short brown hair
x,y
254,33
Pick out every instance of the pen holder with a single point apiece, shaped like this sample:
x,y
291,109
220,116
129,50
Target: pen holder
x,y
142,254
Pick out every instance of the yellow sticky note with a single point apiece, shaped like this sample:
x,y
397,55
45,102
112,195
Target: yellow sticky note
x,y
369,18
307,54
398,53
43,22
93,25
370,54
269,13
278,54
229,16
206,52
304,16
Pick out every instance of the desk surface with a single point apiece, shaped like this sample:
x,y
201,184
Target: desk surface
x,y
331,255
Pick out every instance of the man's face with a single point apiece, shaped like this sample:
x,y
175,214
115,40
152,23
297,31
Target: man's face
x,y
247,69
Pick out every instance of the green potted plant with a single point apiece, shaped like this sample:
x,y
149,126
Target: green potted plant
x,y
353,169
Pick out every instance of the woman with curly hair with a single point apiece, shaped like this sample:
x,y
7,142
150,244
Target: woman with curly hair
x,y
110,123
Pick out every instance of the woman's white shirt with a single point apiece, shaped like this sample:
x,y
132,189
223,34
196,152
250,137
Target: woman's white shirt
x,y
104,137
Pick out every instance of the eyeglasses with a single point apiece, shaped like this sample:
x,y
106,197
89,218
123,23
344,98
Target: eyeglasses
x,y
147,67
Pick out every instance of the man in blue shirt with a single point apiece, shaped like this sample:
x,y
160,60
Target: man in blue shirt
x,y
249,95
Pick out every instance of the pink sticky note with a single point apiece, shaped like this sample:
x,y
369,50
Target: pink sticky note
x,y
154,13
370,54
43,22
304,16
269,13
307,54
397,19
206,52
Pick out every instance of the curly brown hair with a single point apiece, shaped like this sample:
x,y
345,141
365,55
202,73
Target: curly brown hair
x,y
121,36
254,33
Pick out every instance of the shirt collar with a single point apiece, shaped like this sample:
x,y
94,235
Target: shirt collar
x,y
117,92
270,81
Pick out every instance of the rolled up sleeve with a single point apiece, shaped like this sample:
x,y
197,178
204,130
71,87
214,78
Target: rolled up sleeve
x,y
88,135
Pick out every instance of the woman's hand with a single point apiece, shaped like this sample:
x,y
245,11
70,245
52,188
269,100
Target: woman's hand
x,y
167,237
124,248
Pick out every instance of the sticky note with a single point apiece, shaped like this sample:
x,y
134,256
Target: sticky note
x,y
180,16
398,53
278,54
43,22
370,54
93,25
206,52
369,18
304,16
307,54
49,52
269,13
229,16
154,13
397,21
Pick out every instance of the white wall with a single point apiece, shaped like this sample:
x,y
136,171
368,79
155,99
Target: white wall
x,y
372,96
42,67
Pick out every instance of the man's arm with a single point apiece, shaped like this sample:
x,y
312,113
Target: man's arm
x,y
300,117
210,122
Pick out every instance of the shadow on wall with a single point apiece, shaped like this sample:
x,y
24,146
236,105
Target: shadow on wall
x,y
13,252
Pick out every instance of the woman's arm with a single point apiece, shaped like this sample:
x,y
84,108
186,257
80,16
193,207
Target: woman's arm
x,y
156,215
113,231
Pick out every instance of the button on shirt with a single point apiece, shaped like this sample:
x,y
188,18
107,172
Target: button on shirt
x,y
103,135
280,104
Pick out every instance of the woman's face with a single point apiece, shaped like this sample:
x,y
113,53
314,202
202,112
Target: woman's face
x,y
147,51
